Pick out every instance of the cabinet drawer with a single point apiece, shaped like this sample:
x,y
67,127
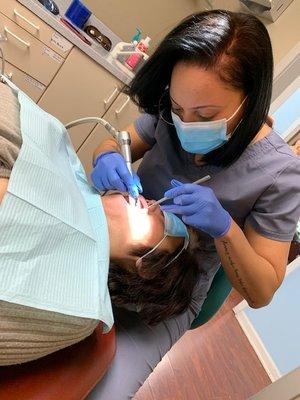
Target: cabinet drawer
x,y
28,54
123,113
35,26
82,88
120,115
29,85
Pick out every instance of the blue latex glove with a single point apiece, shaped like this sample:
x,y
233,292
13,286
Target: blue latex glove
x,y
111,172
199,208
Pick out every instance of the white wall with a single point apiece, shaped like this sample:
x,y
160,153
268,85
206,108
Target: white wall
x,y
154,17
157,17
274,330
284,33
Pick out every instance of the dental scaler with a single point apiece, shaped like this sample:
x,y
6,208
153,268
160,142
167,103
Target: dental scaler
x,y
122,137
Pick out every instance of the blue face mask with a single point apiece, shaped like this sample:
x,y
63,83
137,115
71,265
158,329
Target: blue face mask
x,y
202,137
173,227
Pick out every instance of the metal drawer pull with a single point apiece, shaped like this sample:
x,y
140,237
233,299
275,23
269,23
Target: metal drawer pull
x,y
26,20
107,101
27,44
123,106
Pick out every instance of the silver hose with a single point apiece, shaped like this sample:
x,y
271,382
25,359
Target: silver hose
x,y
122,138
98,120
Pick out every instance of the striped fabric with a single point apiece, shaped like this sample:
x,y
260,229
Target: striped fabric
x,y
27,333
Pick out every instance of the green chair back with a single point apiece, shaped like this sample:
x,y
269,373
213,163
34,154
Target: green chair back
x,y
217,294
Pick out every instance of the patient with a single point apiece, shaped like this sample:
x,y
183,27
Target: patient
x,y
155,285
159,286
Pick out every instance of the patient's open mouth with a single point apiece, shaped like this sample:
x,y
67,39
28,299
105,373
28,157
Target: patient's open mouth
x,y
141,202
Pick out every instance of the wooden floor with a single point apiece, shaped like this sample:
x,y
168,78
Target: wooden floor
x,y
213,362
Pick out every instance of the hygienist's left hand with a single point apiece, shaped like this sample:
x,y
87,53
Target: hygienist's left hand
x,y
199,208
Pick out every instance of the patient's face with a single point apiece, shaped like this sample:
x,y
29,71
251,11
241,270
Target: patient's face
x,y
131,228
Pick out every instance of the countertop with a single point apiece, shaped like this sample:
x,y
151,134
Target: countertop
x,y
95,51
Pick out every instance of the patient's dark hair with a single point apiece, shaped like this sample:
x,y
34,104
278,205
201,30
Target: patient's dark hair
x,y
237,47
158,291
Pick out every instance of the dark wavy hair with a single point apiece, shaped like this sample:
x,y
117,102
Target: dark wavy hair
x,y
159,291
235,45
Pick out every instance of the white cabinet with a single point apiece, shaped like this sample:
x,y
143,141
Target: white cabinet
x,y
34,51
82,88
27,53
35,26
122,113
29,85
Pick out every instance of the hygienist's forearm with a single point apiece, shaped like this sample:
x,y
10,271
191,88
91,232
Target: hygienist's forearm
x,y
107,145
249,273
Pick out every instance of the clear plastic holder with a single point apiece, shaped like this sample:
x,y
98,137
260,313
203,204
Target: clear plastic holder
x,y
119,54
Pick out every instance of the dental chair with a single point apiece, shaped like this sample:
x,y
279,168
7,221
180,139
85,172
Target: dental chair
x,y
71,373
217,294
68,374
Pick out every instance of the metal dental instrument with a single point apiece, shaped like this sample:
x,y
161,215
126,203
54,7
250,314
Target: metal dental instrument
x,y
122,137
201,180
124,141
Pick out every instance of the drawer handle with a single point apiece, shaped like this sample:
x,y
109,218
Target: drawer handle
x,y
26,20
7,31
123,106
107,101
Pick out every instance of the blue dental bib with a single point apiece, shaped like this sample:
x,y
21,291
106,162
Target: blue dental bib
x,y
54,243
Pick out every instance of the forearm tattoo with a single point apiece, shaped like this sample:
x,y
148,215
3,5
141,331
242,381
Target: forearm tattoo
x,y
236,273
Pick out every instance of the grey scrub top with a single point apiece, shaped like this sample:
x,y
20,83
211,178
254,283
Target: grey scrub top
x,y
262,187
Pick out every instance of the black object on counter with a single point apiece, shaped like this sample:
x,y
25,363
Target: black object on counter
x,y
94,33
50,5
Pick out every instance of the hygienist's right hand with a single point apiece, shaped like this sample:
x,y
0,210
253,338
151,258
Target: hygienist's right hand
x,y
111,173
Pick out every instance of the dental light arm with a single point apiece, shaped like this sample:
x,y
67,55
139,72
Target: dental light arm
x,y
122,137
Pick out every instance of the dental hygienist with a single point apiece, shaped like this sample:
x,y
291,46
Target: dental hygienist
x,y
206,94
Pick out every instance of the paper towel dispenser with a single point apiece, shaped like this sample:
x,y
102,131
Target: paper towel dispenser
x,y
270,9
